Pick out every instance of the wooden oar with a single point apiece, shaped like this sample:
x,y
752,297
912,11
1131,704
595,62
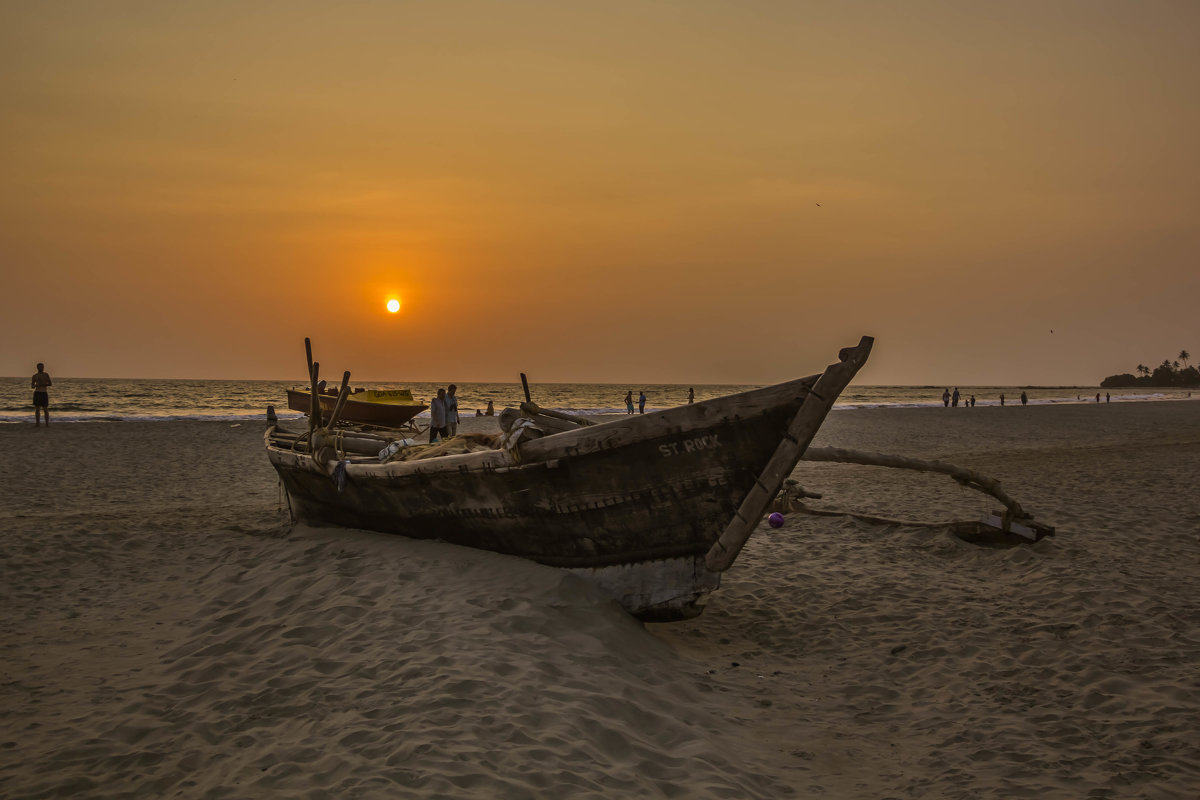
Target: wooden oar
x,y
343,396
314,410
531,408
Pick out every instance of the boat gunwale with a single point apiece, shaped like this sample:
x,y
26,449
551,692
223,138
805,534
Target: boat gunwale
x,y
556,446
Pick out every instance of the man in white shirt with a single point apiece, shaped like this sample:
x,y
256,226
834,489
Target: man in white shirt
x,y
437,417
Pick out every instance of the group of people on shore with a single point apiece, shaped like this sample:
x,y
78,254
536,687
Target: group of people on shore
x,y
443,414
951,399
641,402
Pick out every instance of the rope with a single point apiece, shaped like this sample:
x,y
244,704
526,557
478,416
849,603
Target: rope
x,y
818,512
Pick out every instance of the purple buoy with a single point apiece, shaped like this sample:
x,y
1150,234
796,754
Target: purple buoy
x,y
775,520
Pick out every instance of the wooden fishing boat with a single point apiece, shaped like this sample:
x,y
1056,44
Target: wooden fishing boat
x,y
392,408
652,507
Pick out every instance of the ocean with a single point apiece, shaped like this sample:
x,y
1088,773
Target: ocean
x,y
125,399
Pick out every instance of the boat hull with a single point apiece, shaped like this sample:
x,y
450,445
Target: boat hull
x,y
376,414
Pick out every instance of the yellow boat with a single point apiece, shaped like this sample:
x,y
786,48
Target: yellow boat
x,y
382,408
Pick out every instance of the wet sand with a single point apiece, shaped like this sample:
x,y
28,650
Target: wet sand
x,y
167,633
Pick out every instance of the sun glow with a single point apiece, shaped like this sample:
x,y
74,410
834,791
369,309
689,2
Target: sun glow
x,y
393,305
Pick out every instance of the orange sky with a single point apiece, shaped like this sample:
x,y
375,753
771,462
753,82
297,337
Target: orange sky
x,y
604,192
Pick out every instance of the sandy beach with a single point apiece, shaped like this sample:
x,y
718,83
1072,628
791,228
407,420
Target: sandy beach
x,y
166,632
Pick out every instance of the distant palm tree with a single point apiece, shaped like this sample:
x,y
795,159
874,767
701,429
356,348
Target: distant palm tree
x,y
1143,370
1175,366
1184,355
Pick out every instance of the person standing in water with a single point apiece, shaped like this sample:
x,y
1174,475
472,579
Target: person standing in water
x,y
641,402
41,396
629,402
691,396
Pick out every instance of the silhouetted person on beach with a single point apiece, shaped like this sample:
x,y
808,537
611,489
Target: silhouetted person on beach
x,y
1097,397
629,402
1002,398
1024,399
946,398
1107,397
491,410
40,383
954,398
437,417
641,402
451,411
691,396
972,401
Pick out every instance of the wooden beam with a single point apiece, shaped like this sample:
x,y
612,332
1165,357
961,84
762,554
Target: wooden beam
x,y
314,414
343,396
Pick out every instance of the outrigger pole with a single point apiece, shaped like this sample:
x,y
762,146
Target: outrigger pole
x,y
1014,520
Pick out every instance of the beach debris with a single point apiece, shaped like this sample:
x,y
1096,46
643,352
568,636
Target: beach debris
x,y
982,534
1027,528
775,520
791,497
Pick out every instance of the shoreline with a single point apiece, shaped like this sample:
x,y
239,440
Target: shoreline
x,y
131,401
249,417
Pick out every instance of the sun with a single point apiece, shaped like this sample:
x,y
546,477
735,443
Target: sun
x,y
393,305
